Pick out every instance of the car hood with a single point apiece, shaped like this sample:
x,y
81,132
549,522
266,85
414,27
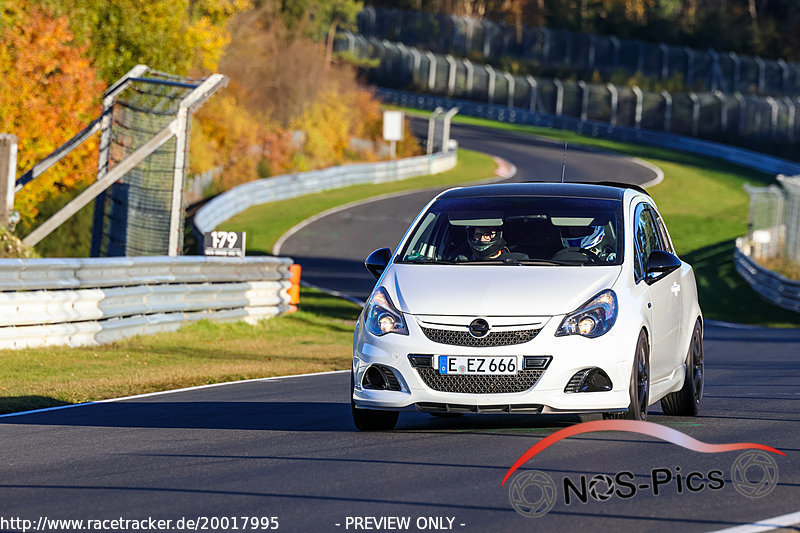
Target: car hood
x,y
495,290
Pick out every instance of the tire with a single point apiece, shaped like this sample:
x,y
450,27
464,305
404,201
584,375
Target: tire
x,y
686,402
639,389
370,419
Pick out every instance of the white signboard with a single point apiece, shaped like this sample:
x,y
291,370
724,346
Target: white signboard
x,y
393,125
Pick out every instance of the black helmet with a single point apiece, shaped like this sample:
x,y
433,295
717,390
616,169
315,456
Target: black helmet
x,y
483,247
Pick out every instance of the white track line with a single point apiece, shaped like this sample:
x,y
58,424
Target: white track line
x,y
185,389
768,524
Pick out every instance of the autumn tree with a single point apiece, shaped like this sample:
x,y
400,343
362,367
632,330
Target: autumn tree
x,y
173,36
50,92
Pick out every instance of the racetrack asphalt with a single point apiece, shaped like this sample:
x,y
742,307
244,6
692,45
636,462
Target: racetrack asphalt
x,y
286,447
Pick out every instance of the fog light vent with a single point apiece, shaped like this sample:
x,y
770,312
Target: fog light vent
x,y
589,380
379,377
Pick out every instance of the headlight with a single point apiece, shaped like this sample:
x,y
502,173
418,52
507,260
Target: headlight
x,y
593,319
382,317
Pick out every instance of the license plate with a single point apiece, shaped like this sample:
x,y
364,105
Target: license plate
x,y
450,364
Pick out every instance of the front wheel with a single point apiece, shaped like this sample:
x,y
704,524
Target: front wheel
x,y
686,402
370,419
640,383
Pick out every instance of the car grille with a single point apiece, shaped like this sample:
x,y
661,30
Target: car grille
x,y
494,338
479,384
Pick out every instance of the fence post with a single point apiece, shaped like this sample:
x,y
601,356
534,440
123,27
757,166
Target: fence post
x,y
432,129
723,110
762,74
664,60
784,76
584,100
667,109
490,71
592,52
451,74
612,89
742,112
533,93
773,116
695,114
689,66
511,86
639,104
715,71
431,70
790,122
737,71
470,76
8,176
559,95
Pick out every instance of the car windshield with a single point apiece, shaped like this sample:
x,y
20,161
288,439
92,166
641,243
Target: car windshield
x,y
521,230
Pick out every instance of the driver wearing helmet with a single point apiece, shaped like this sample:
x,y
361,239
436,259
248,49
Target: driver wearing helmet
x,y
486,242
587,238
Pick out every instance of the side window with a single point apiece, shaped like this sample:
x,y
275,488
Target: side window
x,y
646,238
662,229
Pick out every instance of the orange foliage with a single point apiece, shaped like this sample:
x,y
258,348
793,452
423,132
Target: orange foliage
x,y
49,91
226,135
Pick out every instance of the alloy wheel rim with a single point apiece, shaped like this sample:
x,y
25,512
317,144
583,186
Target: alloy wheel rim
x,y
642,379
697,363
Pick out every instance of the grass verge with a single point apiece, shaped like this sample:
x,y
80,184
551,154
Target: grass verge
x,y
265,223
315,339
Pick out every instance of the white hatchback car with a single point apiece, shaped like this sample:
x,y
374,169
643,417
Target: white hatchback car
x,y
530,298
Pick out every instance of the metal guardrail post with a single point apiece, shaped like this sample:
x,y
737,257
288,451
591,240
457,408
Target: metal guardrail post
x,y
762,74
8,174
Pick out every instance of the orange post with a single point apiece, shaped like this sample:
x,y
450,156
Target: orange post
x,y
294,290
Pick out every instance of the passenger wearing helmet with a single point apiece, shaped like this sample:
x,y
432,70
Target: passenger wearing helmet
x,y
587,238
486,242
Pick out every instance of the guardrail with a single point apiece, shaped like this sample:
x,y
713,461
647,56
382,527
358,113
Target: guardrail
x,y
93,301
777,289
241,198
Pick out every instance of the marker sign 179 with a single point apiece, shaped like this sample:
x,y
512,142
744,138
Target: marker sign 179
x,y
224,243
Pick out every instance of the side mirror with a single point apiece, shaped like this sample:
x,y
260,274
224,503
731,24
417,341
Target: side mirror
x,y
659,264
376,261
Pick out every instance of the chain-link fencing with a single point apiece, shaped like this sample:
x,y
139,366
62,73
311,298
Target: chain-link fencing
x,y
764,123
543,48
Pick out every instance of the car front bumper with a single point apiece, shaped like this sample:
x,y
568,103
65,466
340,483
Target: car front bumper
x,y
612,352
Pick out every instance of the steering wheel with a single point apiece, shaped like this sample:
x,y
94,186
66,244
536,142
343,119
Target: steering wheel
x,y
593,257
565,253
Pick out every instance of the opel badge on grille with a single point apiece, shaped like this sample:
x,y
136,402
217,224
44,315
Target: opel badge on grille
x,y
479,328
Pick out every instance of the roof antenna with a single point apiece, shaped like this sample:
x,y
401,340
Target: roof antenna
x,y
564,164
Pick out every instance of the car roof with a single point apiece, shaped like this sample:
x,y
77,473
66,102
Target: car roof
x,y
582,190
